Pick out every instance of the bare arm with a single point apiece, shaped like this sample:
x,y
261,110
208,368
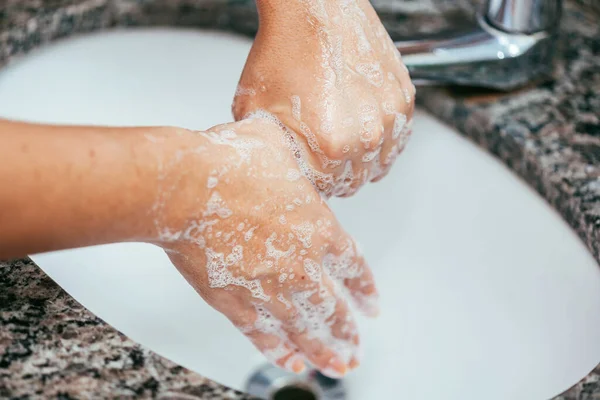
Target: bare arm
x,y
65,187
228,205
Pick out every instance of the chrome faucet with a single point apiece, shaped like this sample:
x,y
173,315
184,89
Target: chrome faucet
x,y
512,44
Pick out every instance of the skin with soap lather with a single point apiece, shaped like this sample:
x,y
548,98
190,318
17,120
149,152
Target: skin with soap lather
x,y
277,263
229,206
239,208
329,71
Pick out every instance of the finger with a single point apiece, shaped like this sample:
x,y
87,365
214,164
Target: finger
x,y
265,331
346,265
253,320
370,129
325,331
383,174
402,133
345,329
278,351
353,178
393,109
386,163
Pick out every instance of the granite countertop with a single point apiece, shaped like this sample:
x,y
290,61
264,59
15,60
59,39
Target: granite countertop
x,y
549,134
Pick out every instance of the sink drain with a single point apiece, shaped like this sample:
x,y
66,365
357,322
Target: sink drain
x,y
272,383
294,392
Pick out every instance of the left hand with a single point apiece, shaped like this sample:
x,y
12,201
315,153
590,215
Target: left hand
x,y
330,72
260,245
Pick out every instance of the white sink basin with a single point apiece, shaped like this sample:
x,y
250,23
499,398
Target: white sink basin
x,y
486,292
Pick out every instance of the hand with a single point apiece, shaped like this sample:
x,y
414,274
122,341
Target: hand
x,y
260,245
330,72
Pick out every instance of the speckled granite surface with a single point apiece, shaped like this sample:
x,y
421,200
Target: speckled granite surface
x,y
52,347
592,4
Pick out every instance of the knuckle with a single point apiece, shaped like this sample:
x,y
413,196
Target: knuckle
x,y
334,146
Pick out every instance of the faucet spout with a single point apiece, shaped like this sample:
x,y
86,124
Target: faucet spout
x,y
498,52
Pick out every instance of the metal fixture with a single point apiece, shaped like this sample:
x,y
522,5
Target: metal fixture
x,y
272,383
512,44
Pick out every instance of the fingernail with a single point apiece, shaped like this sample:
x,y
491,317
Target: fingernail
x,y
335,368
298,366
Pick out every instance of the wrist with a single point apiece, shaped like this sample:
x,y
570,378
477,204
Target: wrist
x,y
151,151
178,181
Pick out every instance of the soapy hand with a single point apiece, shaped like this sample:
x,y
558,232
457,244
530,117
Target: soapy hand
x,y
330,72
257,241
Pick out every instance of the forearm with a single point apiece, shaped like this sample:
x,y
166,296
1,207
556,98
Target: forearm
x,y
64,187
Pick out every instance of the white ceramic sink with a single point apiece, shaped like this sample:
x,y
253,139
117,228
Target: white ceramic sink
x,y
486,292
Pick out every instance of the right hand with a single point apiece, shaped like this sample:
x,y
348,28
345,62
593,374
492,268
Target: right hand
x,y
260,245
330,72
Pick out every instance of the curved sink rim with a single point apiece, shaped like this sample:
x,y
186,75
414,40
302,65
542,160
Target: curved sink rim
x,y
570,228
